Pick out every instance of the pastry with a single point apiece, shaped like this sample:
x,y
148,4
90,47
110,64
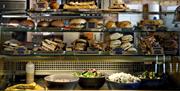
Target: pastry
x,y
115,36
57,23
124,24
43,24
80,5
27,23
110,25
54,5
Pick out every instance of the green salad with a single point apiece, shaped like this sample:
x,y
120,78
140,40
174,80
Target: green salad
x,y
149,75
92,73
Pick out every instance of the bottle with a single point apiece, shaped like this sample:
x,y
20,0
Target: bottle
x,y
29,72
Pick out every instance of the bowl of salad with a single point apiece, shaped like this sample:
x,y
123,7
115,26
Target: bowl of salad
x,y
122,81
151,80
90,79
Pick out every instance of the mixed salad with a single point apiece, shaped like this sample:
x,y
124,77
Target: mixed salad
x,y
92,73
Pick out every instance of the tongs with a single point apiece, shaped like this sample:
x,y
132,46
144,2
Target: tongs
x,y
163,63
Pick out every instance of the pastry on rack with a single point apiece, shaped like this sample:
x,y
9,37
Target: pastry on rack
x,y
54,5
27,23
43,24
119,4
110,25
80,5
124,24
57,23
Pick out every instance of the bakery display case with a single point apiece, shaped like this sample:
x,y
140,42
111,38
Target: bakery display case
x,y
90,44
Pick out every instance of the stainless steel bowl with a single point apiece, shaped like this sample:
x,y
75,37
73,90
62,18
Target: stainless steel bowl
x,y
62,81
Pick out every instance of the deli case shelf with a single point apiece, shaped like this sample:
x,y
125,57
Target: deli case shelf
x,y
68,41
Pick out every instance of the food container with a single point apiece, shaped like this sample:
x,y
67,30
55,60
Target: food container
x,y
91,83
61,81
152,83
124,86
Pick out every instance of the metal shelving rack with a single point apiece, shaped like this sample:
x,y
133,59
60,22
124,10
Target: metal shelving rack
x,y
46,65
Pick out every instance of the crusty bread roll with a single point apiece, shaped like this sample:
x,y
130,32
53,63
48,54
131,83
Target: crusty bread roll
x,y
57,23
124,24
110,24
98,22
43,24
27,23
54,5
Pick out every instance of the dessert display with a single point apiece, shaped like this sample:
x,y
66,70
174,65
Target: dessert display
x,y
25,87
80,5
159,43
119,4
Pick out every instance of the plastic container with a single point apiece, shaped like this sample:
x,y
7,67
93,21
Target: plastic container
x,y
30,72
